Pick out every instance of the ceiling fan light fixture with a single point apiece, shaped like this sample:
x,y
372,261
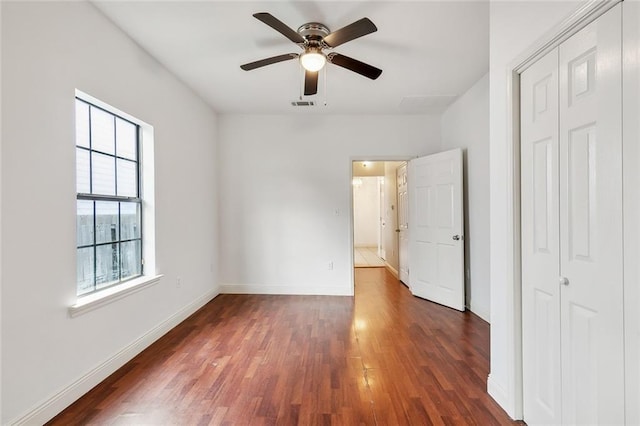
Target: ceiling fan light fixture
x,y
313,60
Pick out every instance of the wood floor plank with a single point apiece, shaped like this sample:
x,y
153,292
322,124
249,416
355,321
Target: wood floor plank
x,y
381,358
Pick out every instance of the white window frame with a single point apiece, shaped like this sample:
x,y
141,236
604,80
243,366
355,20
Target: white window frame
x,y
91,301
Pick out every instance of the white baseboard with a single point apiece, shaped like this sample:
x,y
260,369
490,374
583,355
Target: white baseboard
x,y
391,269
500,395
482,313
58,402
286,290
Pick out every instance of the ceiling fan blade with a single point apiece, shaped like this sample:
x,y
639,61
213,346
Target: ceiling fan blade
x,y
310,83
268,61
354,65
279,26
351,32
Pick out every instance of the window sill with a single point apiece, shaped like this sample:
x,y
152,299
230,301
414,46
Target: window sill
x,y
96,300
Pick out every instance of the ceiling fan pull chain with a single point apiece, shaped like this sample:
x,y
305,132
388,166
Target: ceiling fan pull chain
x,y
325,85
302,73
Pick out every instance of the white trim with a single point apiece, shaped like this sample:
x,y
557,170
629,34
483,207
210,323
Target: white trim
x,y
514,299
49,408
307,290
498,393
510,397
485,315
583,16
110,295
392,270
631,206
1,204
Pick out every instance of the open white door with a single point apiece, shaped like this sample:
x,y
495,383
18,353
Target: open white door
x,y
436,243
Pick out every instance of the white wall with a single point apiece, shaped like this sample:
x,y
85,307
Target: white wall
x,y
465,124
285,194
514,27
48,50
366,212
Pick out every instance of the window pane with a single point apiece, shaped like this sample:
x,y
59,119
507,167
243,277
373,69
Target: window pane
x,y
130,257
127,178
108,233
82,171
130,221
85,270
102,131
82,124
84,222
106,265
104,174
107,228
126,135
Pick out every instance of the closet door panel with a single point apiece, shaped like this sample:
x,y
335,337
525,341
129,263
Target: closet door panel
x,y
591,302
540,241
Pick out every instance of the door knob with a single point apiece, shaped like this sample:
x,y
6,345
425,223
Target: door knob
x,y
397,230
456,237
564,281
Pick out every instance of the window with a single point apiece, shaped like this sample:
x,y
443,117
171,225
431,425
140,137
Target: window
x,y
109,203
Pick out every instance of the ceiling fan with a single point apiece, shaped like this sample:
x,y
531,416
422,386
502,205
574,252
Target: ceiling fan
x,y
313,38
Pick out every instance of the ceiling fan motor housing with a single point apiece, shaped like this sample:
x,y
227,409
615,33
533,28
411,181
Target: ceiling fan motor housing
x,y
313,32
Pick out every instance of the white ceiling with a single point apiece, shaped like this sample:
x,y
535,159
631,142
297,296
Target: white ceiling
x,y
429,51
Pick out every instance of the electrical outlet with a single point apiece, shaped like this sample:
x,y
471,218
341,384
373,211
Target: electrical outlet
x,y
178,282
330,266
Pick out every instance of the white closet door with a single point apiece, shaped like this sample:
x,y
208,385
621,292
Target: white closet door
x,y
591,224
540,242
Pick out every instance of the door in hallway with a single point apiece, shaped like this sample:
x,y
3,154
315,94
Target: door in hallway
x,y
403,224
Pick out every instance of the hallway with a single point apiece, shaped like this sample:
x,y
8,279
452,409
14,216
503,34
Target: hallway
x,y
366,257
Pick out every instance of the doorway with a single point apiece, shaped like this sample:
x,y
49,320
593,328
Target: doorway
x,y
433,194
375,219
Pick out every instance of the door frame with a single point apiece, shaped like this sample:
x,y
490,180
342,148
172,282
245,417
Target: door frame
x,y
352,159
579,19
381,223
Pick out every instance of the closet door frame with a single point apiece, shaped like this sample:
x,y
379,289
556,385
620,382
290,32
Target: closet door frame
x,y
631,206
583,16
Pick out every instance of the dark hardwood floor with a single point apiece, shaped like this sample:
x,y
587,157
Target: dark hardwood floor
x,y
381,358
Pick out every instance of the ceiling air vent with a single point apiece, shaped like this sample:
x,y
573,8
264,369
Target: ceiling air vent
x,y
302,103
